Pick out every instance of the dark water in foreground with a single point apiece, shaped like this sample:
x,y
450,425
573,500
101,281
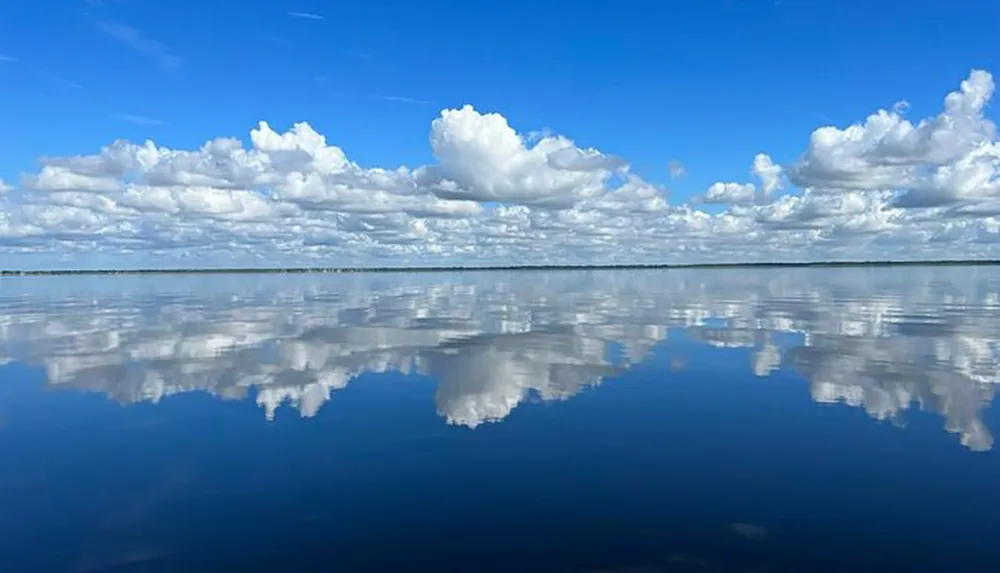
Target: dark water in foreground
x,y
753,421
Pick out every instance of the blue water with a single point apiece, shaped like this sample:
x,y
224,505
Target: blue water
x,y
752,421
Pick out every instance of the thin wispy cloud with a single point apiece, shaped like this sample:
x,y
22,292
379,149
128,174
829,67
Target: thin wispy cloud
x,y
42,74
401,99
137,119
138,41
359,54
305,15
54,79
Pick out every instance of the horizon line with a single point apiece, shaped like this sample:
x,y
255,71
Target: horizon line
x,y
480,268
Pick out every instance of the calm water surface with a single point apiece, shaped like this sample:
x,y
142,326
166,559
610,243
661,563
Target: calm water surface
x,y
753,421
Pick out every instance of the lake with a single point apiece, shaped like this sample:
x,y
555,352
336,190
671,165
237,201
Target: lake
x,y
777,420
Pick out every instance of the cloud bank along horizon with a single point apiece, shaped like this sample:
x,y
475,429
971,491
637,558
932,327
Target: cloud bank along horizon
x,y
887,187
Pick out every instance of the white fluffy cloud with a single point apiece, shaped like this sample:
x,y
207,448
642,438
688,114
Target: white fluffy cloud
x,y
886,187
764,169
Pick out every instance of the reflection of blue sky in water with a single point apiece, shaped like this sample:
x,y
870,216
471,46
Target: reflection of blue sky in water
x,y
884,340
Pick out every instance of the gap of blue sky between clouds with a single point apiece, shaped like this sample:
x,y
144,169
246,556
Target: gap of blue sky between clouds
x,y
886,187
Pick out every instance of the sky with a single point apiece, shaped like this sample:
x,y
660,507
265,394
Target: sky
x,y
144,133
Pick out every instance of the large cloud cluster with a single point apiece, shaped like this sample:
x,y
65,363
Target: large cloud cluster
x,y
882,188
881,340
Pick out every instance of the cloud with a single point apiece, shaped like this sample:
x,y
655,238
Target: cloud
x,y
768,173
947,159
884,188
305,15
878,340
731,193
55,80
137,40
5,187
481,158
401,99
359,54
42,74
676,169
137,119
748,193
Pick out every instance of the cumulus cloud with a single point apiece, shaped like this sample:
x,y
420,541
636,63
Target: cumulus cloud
x,y
731,193
764,169
949,158
885,341
482,158
884,188
768,173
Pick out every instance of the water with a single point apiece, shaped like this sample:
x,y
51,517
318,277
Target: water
x,y
766,421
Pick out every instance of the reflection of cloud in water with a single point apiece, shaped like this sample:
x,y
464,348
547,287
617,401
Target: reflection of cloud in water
x,y
878,339
749,530
130,560
868,373
481,379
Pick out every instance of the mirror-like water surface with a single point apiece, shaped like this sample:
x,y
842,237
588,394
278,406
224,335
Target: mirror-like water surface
x,y
769,421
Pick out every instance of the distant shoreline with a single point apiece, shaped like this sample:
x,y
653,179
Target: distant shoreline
x,y
440,269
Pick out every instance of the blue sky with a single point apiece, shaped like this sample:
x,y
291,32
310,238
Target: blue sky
x,y
708,83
